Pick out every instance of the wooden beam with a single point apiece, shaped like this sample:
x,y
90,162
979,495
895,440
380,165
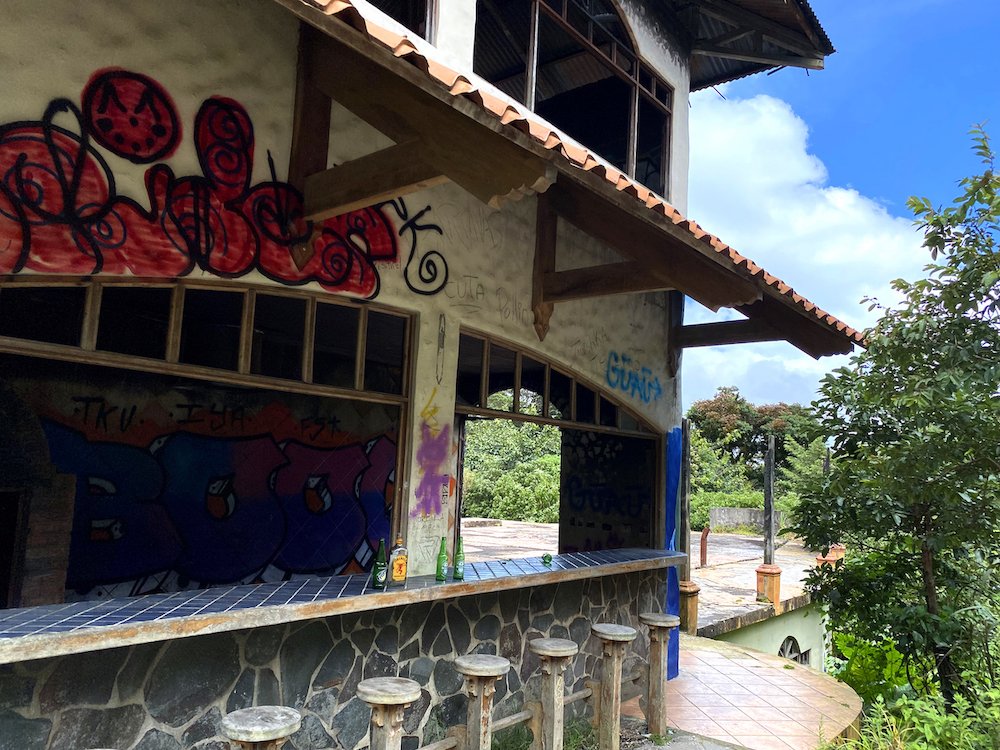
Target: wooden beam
x,y
675,310
546,231
726,332
812,63
458,137
672,253
380,176
626,277
311,118
797,325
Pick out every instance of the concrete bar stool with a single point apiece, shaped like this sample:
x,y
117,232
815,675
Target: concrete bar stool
x,y
387,696
613,640
555,655
260,727
481,674
659,626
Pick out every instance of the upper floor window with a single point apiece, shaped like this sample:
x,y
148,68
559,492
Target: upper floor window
x,y
573,62
413,14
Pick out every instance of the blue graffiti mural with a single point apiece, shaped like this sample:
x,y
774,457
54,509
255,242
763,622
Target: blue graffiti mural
x,y
201,510
120,530
625,375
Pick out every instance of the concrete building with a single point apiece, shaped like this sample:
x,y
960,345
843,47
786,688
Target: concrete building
x,y
259,262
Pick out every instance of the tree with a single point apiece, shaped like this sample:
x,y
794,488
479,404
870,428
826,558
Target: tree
x,y
915,422
802,468
731,422
511,468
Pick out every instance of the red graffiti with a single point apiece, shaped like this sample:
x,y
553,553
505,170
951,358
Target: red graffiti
x,y
59,211
131,115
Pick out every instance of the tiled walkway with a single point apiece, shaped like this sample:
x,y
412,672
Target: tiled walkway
x,y
755,700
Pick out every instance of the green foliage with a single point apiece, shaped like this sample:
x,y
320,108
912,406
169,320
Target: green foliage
x,y
702,501
511,468
927,724
876,671
517,737
915,422
740,428
714,470
579,735
802,468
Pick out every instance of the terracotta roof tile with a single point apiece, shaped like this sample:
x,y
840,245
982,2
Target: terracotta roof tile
x,y
524,120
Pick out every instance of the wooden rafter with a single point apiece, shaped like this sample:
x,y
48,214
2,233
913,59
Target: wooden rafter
x,y
380,176
774,32
728,53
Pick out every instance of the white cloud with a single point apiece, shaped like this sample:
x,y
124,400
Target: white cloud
x,y
754,184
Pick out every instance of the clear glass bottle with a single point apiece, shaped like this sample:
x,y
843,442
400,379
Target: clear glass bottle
x,y
398,558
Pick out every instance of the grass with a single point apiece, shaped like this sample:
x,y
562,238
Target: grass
x,y
577,735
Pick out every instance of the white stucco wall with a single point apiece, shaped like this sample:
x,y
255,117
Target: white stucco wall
x,y
246,50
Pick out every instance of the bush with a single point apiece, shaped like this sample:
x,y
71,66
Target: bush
x,y
702,501
876,671
925,724
526,492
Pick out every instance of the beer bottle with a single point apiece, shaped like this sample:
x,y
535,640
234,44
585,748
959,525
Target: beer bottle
x,y
397,561
380,570
459,572
442,562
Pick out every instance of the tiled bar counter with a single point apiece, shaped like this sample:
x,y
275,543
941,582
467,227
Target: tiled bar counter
x,y
159,672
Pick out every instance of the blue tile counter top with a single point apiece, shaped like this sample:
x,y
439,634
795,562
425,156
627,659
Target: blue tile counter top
x,y
58,629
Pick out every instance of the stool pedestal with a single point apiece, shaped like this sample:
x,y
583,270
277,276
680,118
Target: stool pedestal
x,y
387,696
659,626
481,674
613,641
260,727
555,655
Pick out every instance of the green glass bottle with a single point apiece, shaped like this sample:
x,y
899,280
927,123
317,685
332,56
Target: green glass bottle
x,y
380,570
459,571
442,562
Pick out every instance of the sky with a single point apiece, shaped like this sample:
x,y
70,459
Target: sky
x,y
808,173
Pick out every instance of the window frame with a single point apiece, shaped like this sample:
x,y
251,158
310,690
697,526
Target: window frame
x,y
87,351
646,429
644,82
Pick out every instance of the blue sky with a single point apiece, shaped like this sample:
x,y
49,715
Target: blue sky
x,y
809,174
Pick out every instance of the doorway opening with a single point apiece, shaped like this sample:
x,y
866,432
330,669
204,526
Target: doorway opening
x,y
547,463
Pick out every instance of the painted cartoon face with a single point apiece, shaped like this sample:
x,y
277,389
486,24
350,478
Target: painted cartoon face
x,y
318,492
131,115
218,495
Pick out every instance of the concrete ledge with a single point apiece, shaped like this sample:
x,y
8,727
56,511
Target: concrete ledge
x,y
759,613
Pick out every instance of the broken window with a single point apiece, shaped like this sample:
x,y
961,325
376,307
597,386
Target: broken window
x,y
573,62
413,14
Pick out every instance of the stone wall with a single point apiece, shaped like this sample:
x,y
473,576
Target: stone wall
x,y
172,695
729,518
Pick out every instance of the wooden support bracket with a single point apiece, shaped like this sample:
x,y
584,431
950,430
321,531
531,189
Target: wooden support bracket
x,y
380,176
546,226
